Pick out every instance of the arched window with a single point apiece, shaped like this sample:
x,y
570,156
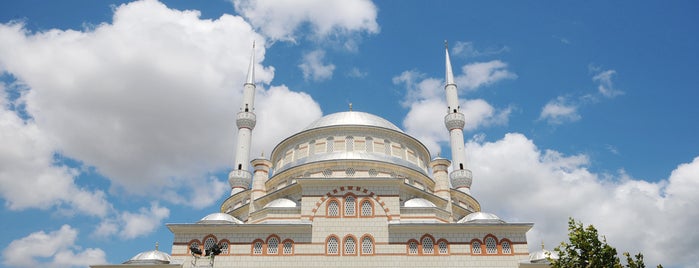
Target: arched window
x,y
350,246
350,206
288,247
209,242
506,247
330,144
476,247
193,244
332,246
224,247
443,247
367,209
491,246
367,246
387,149
333,208
272,245
349,142
311,147
427,245
257,247
412,247
369,145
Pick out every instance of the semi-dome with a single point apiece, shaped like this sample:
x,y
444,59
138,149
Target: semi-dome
x,y
150,257
219,218
352,118
542,256
281,203
418,203
481,217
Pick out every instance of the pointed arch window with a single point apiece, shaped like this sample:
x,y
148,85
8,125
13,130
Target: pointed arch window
x,y
224,247
506,247
194,244
272,245
491,246
367,209
412,247
288,248
209,242
349,143
257,247
443,247
369,145
427,245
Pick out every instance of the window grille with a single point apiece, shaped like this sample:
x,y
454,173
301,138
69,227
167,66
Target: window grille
x,y
332,245
333,208
349,142
506,248
490,246
427,246
350,206
327,173
209,242
224,247
272,245
194,245
367,210
412,247
330,145
443,248
288,248
476,247
373,172
367,246
350,172
257,248
350,246
387,147
369,145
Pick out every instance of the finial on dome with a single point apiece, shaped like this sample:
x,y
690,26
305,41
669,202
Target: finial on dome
x,y
156,245
542,244
446,44
251,68
262,155
350,106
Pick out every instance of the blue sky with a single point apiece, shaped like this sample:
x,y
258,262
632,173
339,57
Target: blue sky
x,y
117,117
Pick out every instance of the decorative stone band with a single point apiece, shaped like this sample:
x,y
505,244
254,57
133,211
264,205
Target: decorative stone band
x,y
246,120
454,121
461,178
240,179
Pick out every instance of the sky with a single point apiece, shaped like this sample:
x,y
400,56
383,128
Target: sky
x,y
117,117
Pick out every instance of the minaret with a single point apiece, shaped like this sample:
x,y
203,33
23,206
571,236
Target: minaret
x,y
460,176
240,177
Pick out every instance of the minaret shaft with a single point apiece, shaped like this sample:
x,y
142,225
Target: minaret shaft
x,y
240,177
455,121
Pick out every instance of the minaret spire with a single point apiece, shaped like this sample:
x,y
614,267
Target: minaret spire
x,y
240,177
460,176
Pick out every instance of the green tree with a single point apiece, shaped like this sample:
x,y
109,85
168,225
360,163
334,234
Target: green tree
x,y
586,250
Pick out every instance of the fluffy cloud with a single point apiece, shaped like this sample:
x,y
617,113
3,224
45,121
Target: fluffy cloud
x,y
130,225
313,67
479,74
558,111
522,183
148,100
27,165
605,85
281,20
53,249
468,49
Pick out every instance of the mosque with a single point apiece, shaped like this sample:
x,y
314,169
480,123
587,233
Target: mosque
x,y
350,190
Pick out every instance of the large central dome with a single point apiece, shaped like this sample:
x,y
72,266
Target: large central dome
x,y
352,118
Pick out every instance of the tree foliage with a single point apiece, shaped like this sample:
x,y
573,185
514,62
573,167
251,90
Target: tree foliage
x,y
586,250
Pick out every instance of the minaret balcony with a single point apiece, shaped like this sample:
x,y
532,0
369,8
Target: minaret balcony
x,y
454,121
240,178
461,178
246,120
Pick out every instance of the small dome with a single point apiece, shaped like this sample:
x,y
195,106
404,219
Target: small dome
x,y
150,257
281,203
481,217
219,218
418,203
542,256
352,118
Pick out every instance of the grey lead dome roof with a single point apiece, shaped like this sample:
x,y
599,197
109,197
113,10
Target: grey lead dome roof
x,y
352,118
150,257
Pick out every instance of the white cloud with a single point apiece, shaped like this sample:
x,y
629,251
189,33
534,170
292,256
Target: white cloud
x,y
313,67
468,49
282,20
149,100
27,165
605,85
53,249
480,74
522,183
356,73
558,111
129,225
